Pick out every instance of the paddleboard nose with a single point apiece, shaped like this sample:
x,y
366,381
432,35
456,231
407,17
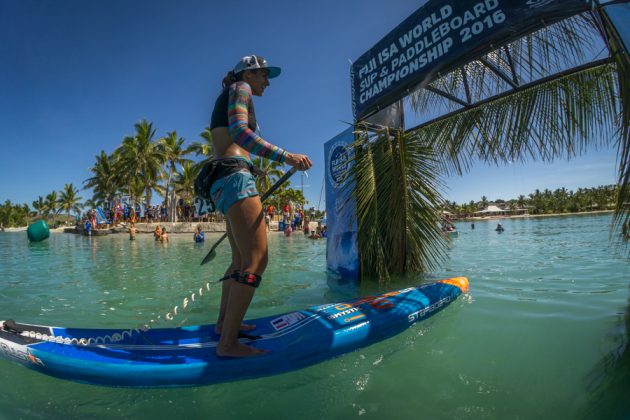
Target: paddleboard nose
x,y
461,282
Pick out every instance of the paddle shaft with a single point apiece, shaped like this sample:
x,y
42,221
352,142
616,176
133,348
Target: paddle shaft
x,y
209,256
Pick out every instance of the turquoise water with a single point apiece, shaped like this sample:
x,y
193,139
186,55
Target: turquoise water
x,y
543,333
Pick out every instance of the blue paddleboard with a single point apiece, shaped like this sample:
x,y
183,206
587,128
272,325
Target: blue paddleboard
x,y
186,356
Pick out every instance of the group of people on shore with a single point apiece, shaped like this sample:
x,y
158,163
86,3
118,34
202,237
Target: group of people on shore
x,y
126,213
290,215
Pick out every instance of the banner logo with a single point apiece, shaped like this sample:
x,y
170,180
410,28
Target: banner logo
x,y
338,164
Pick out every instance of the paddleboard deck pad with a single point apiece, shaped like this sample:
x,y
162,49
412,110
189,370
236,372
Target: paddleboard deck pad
x,y
186,356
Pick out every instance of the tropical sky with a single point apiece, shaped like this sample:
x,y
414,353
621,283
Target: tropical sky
x,y
77,75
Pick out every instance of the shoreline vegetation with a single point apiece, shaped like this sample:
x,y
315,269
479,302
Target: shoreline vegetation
x,y
539,203
560,202
216,227
532,216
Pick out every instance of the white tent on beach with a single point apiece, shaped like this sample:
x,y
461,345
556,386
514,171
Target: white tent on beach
x,y
492,211
498,211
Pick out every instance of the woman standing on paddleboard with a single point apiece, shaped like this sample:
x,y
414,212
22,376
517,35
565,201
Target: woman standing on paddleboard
x,y
233,191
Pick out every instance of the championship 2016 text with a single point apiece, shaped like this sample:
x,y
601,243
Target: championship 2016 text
x,y
421,45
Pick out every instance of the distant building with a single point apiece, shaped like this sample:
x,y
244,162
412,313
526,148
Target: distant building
x,y
498,211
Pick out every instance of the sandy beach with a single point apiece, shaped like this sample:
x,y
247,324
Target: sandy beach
x,y
171,228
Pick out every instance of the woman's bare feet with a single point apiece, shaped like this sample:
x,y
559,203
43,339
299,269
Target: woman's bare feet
x,y
239,350
244,327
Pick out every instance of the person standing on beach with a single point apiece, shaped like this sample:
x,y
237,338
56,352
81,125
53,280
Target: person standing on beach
x,y
271,211
286,212
233,190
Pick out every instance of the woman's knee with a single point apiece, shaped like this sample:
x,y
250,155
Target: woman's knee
x,y
263,261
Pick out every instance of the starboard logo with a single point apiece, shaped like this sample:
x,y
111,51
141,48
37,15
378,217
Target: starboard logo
x,y
20,353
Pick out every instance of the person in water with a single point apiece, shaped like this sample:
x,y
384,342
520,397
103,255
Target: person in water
x,y
132,231
164,235
157,233
199,236
233,190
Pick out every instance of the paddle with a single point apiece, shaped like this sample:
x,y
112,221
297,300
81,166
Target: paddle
x,y
210,256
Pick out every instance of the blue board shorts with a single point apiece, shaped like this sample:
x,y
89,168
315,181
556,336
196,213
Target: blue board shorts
x,y
228,190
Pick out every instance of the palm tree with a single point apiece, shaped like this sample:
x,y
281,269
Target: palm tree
x,y
13,214
138,162
104,182
484,202
395,183
90,203
576,106
51,203
184,183
69,200
273,171
173,151
39,205
204,148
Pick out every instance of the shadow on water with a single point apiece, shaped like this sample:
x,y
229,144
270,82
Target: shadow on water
x,y
40,248
609,381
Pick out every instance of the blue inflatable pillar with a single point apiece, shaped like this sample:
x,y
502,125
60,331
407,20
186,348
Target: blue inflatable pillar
x,y
342,256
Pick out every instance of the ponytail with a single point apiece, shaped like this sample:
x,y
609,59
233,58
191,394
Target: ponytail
x,y
229,79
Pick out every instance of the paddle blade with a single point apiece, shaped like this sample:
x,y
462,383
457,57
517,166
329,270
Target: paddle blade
x,y
209,257
212,252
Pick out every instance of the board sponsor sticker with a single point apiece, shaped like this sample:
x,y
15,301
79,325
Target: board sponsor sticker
x,y
284,321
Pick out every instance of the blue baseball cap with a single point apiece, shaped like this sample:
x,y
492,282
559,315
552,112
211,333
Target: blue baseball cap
x,y
253,62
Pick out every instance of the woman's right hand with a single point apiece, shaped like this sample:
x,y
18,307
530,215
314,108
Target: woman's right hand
x,y
300,162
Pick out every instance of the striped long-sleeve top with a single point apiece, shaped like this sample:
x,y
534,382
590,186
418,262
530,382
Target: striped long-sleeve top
x,y
240,106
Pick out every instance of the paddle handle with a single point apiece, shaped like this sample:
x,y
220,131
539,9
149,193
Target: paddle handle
x,y
277,185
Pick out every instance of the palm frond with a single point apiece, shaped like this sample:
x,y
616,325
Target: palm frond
x,y
554,119
397,202
622,60
566,44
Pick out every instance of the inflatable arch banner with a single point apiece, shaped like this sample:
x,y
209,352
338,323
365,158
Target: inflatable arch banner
x,y
441,36
342,256
619,14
